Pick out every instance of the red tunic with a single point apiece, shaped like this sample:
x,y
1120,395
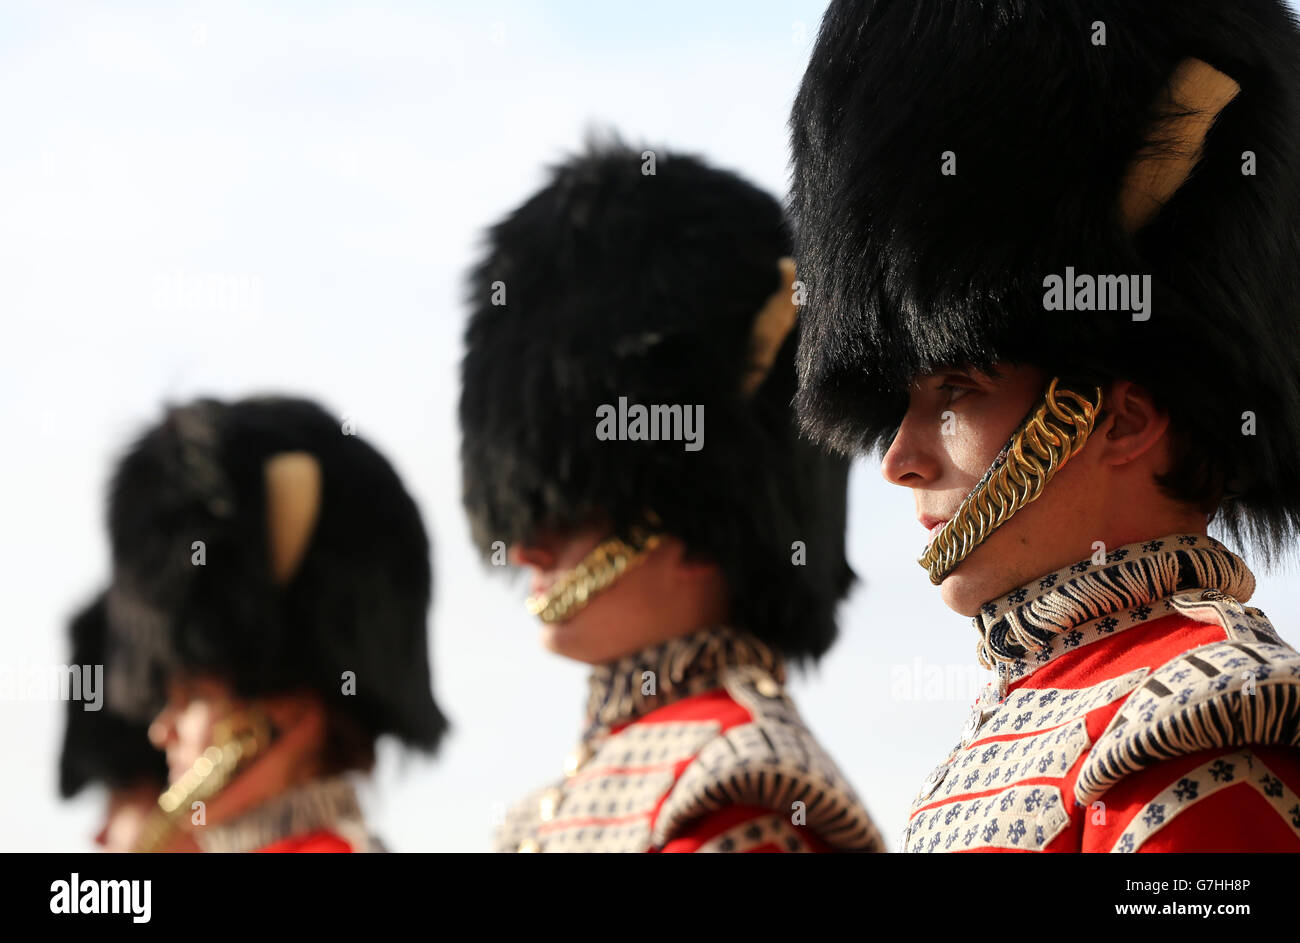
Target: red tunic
x,y
694,746
1138,707
323,841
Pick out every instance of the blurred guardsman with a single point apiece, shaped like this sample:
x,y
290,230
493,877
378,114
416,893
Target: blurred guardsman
x,y
627,434
102,748
268,608
1050,252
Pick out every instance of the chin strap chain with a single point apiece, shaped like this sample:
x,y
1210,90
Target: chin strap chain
x,y
1053,433
600,569
235,741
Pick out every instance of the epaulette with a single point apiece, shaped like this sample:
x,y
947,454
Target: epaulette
x,y
771,762
1242,691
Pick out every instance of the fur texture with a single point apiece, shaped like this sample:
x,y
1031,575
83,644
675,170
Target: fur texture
x,y
909,270
621,284
357,602
102,746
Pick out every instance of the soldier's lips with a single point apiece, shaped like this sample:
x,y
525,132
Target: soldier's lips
x,y
176,768
542,584
543,580
932,525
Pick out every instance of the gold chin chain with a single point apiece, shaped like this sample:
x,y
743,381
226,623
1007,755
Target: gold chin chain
x,y
596,572
235,741
1051,435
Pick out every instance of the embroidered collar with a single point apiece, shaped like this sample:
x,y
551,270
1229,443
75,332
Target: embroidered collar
x,y
1033,624
631,687
320,804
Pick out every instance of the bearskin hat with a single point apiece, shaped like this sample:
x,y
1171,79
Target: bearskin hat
x,y
637,273
949,156
102,746
199,576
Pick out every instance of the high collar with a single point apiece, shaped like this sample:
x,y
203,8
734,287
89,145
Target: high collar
x,y
1030,626
634,685
313,806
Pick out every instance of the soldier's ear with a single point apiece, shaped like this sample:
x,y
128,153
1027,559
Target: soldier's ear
x,y
292,710
771,328
1184,112
1134,425
293,495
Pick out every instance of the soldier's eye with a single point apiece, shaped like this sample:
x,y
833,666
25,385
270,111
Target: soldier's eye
x,y
953,391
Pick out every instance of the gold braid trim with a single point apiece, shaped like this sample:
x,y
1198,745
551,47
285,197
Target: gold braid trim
x,y
596,572
234,741
1051,435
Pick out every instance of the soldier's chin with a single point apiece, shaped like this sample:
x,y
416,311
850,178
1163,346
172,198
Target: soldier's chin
x,y
976,580
576,637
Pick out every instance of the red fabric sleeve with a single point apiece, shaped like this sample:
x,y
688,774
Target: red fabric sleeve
x,y
750,829
1257,810
322,842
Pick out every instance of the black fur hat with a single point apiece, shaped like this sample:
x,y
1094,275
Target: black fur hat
x,y
621,283
1043,109
102,746
355,600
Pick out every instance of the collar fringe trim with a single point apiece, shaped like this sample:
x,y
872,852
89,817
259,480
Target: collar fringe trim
x,y
654,677
1026,619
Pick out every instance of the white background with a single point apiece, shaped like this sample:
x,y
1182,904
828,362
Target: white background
x,y
343,162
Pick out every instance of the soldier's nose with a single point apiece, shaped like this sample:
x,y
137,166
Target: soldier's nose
x,y
910,460
906,466
161,729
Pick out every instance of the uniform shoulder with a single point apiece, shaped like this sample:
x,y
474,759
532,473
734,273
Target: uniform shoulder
x,y
1182,805
770,760
717,705
1243,690
517,829
323,841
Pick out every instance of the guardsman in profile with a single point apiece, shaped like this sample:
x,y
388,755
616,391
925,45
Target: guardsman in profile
x,y
1051,272
267,618
627,434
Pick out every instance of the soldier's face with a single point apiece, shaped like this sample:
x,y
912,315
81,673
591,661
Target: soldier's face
x,y
664,596
184,728
954,427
